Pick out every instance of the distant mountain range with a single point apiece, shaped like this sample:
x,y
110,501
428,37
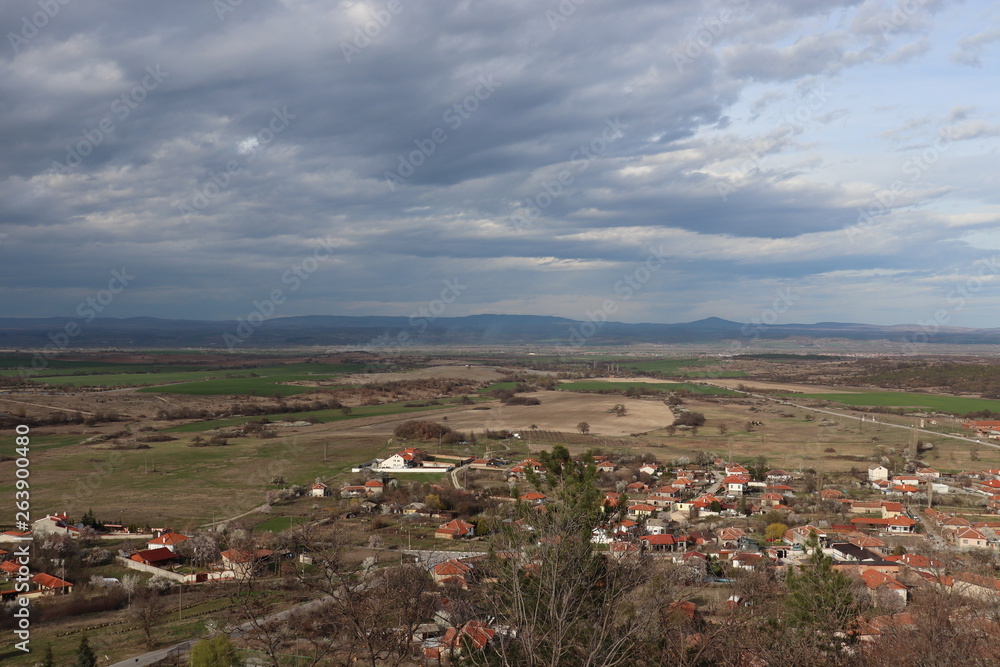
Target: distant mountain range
x,y
380,333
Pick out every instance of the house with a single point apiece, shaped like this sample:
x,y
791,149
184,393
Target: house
x,y
168,540
57,524
520,471
244,563
408,458
534,498
831,494
455,529
916,561
374,487
611,499
606,466
656,526
659,542
625,527
878,473
640,510
621,550
319,490
800,535
771,499
736,484
648,469
777,476
730,534
52,585
352,491
927,474
156,557
636,487
970,538
736,469
454,570
473,635
881,581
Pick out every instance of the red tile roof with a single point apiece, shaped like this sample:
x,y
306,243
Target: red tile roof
x,y
50,582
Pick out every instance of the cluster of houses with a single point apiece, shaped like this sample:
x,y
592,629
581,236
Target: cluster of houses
x,y
17,580
905,484
984,429
413,459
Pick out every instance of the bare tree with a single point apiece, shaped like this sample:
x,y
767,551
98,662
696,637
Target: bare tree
x,y
146,611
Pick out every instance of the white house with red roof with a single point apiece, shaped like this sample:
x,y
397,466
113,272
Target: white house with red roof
x,y
736,484
57,524
168,540
408,458
319,490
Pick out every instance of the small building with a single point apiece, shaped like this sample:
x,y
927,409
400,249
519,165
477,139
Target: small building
x,y
455,529
319,490
168,540
156,557
52,585
876,473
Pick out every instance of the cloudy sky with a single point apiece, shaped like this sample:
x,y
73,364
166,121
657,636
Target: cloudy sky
x,y
676,159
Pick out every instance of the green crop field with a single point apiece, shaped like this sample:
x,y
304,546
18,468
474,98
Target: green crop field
x,y
956,404
276,524
193,380
598,385
323,415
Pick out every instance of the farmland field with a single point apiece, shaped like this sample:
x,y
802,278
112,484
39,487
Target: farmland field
x,y
614,385
679,366
955,404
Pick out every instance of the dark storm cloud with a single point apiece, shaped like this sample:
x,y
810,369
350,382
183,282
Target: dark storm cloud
x,y
214,145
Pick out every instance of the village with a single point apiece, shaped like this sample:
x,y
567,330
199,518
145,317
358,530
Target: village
x,y
714,519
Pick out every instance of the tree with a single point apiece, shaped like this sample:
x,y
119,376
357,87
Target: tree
x,y
563,602
215,652
775,531
620,410
820,602
147,608
723,429
47,659
85,656
583,427
690,419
